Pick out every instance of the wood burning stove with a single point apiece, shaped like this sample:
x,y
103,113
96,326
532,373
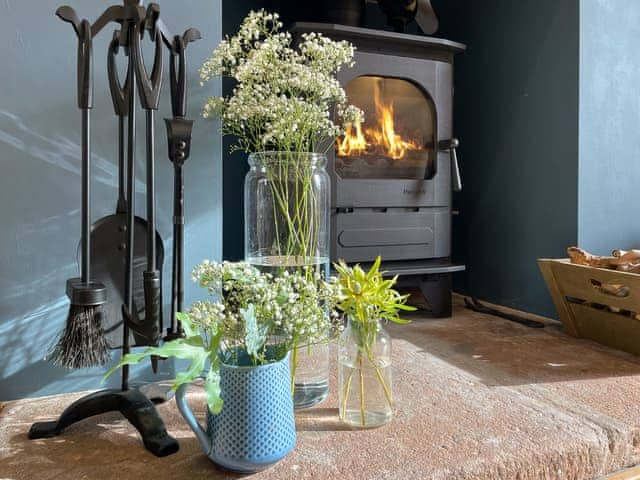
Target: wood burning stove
x,y
393,176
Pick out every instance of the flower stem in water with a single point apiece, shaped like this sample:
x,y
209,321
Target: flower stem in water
x,y
362,417
387,392
294,366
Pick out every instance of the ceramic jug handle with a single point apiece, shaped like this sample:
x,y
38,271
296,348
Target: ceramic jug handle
x,y
190,418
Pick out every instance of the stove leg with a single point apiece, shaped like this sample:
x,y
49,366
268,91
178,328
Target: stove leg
x,y
436,289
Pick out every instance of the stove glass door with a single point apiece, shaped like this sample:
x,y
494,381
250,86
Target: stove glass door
x,y
397,137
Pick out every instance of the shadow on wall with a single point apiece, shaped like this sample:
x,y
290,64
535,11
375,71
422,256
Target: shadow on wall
x,y
40,162
24,341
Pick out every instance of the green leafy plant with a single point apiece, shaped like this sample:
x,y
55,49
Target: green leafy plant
x,y
366,298
254,319
199,347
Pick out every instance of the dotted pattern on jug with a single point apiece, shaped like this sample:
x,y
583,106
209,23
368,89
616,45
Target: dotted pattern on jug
x,y
256,421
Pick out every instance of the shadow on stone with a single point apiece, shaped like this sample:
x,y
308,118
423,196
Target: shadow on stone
x,y
319,419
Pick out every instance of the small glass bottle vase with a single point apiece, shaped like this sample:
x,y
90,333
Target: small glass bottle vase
x,y
286,213
364,374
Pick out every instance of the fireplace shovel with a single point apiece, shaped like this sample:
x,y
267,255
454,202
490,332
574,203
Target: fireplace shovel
x,y
108,235
149,90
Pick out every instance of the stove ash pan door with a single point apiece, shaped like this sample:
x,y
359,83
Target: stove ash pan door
x,y
394,233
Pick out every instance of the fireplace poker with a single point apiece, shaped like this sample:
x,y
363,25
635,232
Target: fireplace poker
x,y
475,305
179,142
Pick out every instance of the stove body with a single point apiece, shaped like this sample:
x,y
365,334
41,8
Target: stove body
x,y
393,176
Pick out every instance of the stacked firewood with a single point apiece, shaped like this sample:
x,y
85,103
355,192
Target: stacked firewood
x,y
621,260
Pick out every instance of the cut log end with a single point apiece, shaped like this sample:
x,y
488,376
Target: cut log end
x,y
582,257
621,260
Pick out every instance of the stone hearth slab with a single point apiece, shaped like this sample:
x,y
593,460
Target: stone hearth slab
x,y
476,397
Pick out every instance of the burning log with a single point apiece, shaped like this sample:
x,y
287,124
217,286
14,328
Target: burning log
x,y
381,138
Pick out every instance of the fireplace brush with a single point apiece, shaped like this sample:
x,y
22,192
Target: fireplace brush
x,y
82,343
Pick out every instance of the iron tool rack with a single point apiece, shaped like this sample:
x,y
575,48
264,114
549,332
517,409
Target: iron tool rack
x,y
133,22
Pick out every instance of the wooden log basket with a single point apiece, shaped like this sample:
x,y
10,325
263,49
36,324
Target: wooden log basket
x,y
597,297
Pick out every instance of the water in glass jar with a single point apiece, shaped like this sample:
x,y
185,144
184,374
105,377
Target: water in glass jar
x,y
276,264
311,384
311,375
365,392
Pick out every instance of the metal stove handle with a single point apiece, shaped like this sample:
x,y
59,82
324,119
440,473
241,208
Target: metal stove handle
x,y
452,145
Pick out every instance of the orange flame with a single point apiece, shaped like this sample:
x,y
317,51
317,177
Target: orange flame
x,y
381,139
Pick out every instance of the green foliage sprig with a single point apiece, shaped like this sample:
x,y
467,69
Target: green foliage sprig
x,y
368,296
199,348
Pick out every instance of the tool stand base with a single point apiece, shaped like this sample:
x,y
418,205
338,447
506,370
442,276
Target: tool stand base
x,y
133,405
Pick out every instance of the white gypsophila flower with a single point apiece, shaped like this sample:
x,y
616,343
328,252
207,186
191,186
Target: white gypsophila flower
x,y
297,306
206,313
283,95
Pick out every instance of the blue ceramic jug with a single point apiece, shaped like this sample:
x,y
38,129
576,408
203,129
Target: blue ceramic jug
x,y
256,427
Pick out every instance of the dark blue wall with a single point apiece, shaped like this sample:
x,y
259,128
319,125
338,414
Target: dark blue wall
x,y
235,165
516,114
609,121
40,183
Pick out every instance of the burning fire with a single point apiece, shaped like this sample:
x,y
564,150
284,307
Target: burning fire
x,y
381,139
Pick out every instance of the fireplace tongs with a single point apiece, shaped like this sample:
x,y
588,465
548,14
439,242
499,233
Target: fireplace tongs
x,y
452,145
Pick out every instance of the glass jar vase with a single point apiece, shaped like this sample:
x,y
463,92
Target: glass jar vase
x,y
364,374
286,213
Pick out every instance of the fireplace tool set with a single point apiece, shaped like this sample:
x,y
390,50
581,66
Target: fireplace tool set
x,y
117,301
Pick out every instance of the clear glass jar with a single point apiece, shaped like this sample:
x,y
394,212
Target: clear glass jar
x,y
310,374
286,211
364,374
286,214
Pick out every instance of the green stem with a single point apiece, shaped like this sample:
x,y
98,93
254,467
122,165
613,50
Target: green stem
x,y
362,416
294,367
385,387
298,213
345,394
366,335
